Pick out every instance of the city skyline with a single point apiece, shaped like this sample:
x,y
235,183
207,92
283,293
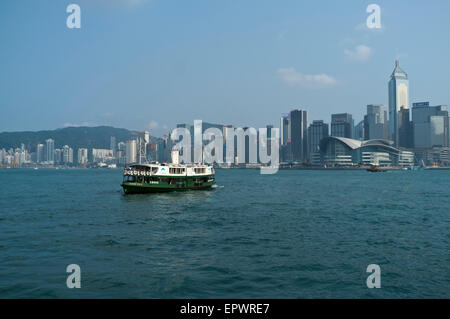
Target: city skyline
x,y
257,68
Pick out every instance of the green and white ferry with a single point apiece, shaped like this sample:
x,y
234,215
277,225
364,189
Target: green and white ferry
x,y
165,177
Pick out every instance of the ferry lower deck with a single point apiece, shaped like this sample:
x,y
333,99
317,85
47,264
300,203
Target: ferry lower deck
x,y
166,178
145,184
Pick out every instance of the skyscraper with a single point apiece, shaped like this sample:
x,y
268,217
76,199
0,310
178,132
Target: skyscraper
x,y
316,132
113,145
285,128
358,131
50,150
375,122
67,155
430,125
285,137
131,151
299,135
40,153
82,156
405,135
342,125
121,153
58,156
398,97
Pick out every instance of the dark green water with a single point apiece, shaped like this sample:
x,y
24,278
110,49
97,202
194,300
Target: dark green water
x,y
296,234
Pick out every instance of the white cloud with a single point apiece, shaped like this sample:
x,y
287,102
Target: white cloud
x,y
360,53
293,78
80,124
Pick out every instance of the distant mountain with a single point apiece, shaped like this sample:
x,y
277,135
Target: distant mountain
x,y
75,137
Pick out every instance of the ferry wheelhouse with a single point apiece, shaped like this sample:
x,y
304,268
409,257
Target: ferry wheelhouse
x,y
156,177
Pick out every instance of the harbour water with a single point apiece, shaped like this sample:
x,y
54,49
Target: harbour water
x,y
295,234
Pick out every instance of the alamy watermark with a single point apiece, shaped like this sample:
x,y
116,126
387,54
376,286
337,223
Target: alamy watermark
x,y
229,145
74,19
374,279
74,279
374,19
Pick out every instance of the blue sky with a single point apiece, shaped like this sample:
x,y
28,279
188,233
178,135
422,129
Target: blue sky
x,y
150,64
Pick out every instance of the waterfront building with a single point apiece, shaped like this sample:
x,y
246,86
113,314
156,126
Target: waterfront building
x,y
67,155
40,156
430,125
131,151
434,156
152,149
164,147
82,156
342,125
8,159
58,157
377,158
358,132
398,98
316,132
299,135
113,145
285,138
285,128
268,139
339,151
50,151
405,131
251,145
121,153
375,122
103,155
17,159
2,156
228,132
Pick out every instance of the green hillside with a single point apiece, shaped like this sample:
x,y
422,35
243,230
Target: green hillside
x,y
75,137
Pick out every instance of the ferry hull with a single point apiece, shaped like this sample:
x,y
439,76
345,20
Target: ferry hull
x,y
138,188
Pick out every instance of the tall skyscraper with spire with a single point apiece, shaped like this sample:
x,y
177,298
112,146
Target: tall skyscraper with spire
x,y
398,99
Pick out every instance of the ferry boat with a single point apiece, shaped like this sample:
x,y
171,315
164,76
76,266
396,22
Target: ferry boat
x,y
164,177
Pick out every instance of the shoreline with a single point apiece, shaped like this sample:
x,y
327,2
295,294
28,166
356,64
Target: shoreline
x,y
299,168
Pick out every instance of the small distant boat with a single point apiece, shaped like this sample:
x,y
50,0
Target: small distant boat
x,y
421,167
415,168
374,168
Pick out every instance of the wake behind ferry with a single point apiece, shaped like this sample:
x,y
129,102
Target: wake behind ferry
x,y
164,177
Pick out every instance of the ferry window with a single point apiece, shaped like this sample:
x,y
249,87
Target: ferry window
x,y
176,170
